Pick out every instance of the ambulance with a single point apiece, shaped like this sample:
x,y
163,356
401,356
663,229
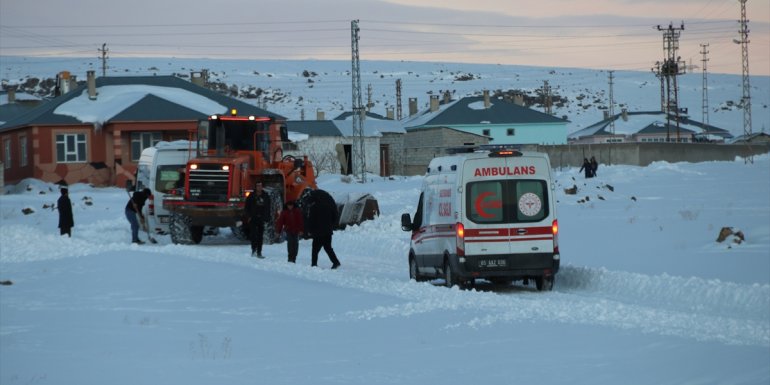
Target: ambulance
x,y
487,214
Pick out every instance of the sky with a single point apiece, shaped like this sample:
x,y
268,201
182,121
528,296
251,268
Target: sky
x,y
608,34
645,294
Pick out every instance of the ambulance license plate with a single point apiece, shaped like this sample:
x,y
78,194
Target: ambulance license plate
x,y
493,263
164,218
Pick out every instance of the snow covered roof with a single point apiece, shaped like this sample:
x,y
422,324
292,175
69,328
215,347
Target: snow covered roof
x,y
470,110
140,98
645,122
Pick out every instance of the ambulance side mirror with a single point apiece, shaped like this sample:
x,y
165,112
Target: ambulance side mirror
x,y
406,222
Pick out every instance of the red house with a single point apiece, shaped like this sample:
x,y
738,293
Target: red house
x,y
96,132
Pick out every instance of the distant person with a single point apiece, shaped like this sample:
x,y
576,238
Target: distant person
x,y
594,166
291,221
133,210
322,217
589,173
257,210
64,205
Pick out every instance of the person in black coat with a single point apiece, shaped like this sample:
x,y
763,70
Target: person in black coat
x,y
134,210
594,166
322,218
589,172
257,208
64,205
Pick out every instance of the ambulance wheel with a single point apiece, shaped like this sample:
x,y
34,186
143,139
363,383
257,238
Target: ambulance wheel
x,y
414,274
544,283
449,277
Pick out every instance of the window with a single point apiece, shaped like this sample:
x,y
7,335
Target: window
x,y
485,132
511,132
507,201
7,153
70,148
142,140
22,151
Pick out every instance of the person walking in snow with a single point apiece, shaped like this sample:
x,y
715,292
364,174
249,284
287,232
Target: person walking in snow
x,y
133,210
587,168
291,221
322,217
594,166
64,205
257,210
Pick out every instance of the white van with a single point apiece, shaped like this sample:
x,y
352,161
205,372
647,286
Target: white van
x,y
161,169
486,214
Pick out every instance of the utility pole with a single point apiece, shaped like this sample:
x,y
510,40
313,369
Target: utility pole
x,y
359,159
671,68
398,99
104,51
659,75
369,103
705,105
744,42
612,105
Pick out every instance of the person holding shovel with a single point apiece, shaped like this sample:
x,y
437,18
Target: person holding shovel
x,y
134,210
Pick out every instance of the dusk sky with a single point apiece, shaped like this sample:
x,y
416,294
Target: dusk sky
x,y
607,34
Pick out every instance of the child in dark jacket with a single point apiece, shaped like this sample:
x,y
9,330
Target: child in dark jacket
x,y
291,221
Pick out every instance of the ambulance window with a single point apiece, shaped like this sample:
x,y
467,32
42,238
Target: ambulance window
x,y
417,222
507,201
169,177
485,202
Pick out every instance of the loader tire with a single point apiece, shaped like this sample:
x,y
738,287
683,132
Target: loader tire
x,y
180,229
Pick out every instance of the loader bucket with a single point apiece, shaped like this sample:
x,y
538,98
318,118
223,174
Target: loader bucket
x,y
356,208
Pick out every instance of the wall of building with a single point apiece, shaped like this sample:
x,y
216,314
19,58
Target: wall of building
x,y
421,146
642,154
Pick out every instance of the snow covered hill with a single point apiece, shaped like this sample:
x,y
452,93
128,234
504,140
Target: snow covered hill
x,y
646,294
301,88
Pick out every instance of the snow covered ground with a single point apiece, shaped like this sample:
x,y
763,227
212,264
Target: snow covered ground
x,y
645,294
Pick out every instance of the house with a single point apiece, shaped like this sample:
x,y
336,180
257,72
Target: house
x,y
757,137
96,132
473,121
329,143
502,121
648,127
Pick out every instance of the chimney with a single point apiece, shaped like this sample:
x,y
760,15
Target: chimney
x,y
518,99
11,94
197,79
486,99
433,103
606,114
62,83
319,114
624,114
389,113
91,81
412,106
447,97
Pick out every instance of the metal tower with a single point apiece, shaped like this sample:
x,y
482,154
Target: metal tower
x,y
359,159
672,67
744,42
705,104
612,105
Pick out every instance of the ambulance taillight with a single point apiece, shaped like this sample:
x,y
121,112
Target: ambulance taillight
x,y
460,237
151,205
555,230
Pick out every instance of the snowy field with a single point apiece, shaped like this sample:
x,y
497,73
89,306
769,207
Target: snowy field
x,y
645,294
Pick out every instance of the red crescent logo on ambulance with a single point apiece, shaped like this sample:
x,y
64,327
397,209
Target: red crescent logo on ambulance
x,y
480,204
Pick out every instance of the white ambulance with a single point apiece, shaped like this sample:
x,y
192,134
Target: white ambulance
x,y
486,214
161,169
